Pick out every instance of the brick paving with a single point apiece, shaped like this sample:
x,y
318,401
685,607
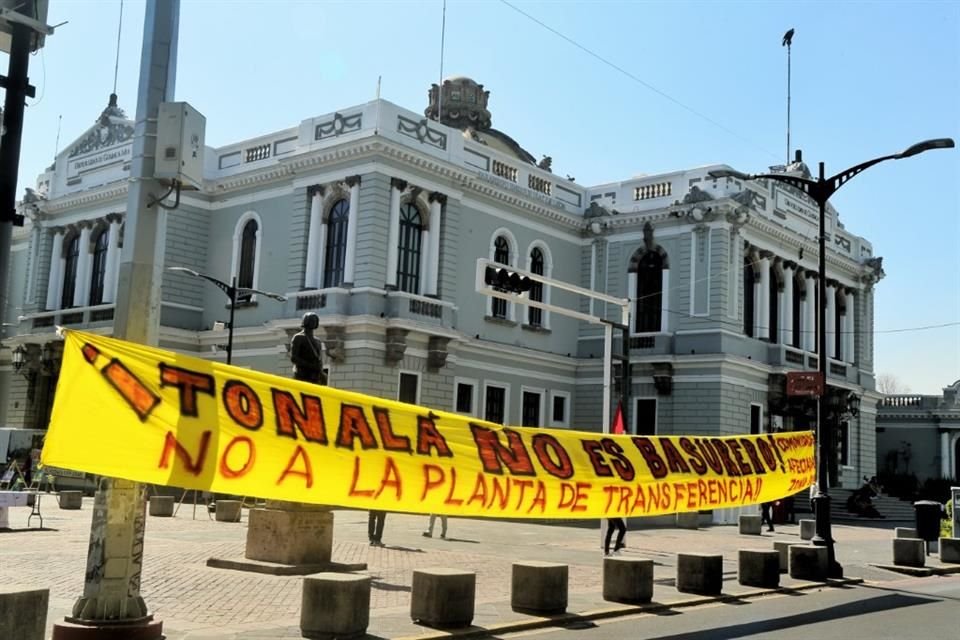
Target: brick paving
x,y
196,602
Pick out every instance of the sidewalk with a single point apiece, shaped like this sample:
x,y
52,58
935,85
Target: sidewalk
x,y
198,602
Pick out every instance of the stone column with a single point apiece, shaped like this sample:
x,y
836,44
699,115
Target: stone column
x,y
786,305
81,290
113,259
350,255
664,300
810,314
397,187
631,294
849,338
946,470
437,202
55,281
762,296
832,320
316,239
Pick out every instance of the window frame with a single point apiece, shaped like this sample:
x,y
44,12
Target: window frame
x,y
760,430
334,241
567,407
238,246
407,232
416,374
506,399
472,383
636,415
69,281
97,280
542,394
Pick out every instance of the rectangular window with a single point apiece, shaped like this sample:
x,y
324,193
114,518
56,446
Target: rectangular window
x,y
531,409
409,387
756,418
495,405
646,417
464,398
844,443
559,409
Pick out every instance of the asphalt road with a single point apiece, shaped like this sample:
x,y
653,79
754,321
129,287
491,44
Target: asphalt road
x,y
919,608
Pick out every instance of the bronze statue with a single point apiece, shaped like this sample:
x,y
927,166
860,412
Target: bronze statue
x,y
305,352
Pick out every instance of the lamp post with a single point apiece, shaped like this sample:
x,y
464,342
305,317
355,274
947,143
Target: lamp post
x,y
233,292
819,191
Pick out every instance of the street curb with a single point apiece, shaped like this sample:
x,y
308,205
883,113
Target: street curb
x,y
921,572
616,611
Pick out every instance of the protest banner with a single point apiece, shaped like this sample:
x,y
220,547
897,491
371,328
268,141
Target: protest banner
x,y
145,414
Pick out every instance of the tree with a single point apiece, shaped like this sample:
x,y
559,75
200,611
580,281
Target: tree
x,y
890,385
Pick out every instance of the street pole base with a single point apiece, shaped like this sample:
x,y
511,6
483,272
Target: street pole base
x,y
834,570
145,628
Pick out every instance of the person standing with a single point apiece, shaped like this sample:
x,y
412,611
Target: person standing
x,y
765,514
621,527
305,352
375,524
443,527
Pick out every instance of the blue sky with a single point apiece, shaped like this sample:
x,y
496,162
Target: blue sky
x,y
708,86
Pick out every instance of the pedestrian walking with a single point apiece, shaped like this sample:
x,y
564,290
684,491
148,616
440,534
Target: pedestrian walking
x,y
443,527
618,524
766,509
375,524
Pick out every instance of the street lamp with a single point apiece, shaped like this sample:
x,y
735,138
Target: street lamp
x,y
18,357
819,191
233,292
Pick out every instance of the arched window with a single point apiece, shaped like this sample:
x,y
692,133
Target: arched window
x,y
246,269
336,248
749,279
649,292
408,263
535,315
71,258
99,266
501,254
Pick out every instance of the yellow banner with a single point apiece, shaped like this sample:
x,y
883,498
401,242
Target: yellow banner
x,y
129,411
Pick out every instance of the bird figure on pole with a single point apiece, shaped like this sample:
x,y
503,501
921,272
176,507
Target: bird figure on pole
x,y
788,38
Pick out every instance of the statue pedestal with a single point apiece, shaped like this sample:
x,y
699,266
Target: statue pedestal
x,y
288,538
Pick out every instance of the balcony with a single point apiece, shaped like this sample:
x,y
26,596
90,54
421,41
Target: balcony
x,y
76,318
420,309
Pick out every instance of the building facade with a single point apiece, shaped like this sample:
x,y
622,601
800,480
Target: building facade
x,y
374,217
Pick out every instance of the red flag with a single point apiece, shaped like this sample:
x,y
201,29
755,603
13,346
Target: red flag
x,y
618,427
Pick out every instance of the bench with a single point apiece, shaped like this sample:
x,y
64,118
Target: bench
x,y
19,499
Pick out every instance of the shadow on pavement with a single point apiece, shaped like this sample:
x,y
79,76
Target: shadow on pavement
x,y
387,586
847,610
938,596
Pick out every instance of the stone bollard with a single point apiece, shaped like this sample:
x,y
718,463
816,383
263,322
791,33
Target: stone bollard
x,y
443,598
700,573
909,552
808,562
950,550
783,548
750,525
808,528
23,614
627,580
688,520
335,605
759,568
71,499
539,588
228,510
905,532
161,506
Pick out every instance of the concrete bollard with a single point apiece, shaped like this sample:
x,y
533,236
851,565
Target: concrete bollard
x,y
539,587
443,598
808,562
688,520
750,525
23,614
783,548
700,573
905,532
71,499
627,580
335,605
808,528
909,552
161,506
759,568
950,550
228,510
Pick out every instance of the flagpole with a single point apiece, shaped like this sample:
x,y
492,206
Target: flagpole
x,y
787,41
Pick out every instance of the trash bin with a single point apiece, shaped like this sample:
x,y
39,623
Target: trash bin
x,y
928,515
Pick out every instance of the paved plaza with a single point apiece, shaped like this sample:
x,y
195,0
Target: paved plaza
x,y
199,602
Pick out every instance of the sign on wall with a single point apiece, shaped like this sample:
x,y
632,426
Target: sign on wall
x,y
129,411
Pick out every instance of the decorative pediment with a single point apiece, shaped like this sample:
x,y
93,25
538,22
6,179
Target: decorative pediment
x,y
111,129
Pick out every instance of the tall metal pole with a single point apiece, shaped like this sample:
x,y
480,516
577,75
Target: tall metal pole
x,y
789,42
17,88
233,305
111,605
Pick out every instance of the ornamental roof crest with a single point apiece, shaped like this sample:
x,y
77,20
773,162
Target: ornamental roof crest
x,y
110,129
